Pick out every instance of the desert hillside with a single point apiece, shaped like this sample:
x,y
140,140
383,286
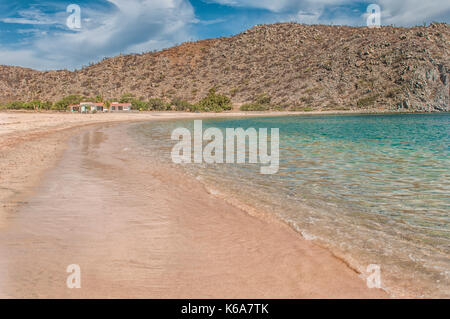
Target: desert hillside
x,y
300,67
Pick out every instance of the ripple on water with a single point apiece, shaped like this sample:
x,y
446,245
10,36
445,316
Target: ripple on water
x,y
377,188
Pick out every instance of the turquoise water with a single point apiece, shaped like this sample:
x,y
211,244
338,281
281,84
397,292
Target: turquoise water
x,y
373,188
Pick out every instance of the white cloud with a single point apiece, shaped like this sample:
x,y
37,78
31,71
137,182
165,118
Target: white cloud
x,y
25,58
282,5
31,16
301,11
263,4
400,13
133,27
311,17
413,12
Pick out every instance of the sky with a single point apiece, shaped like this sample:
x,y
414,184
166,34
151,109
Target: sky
x,y
55,34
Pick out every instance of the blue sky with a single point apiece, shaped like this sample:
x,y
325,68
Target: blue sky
x,y
35,33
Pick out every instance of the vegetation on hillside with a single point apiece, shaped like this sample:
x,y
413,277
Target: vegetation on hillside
x,y
260,103
213,102
300,67
69,100
35,105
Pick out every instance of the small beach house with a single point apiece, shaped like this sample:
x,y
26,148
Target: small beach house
x,y
124,107
91,107
86,107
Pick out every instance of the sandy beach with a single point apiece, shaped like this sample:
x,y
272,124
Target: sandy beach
x,y
74,191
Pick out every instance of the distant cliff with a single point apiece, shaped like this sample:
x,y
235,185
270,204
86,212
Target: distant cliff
x,y
298,66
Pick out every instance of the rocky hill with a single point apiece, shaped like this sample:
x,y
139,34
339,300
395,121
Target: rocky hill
x,y
298,66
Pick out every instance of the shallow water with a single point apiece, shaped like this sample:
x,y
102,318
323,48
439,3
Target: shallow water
x,y
138,229
374,188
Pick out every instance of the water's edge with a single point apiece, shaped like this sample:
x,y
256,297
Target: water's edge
x,y
234,197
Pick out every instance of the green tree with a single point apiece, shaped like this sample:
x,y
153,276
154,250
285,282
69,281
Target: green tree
x,y
127,98
16,105
38,105
66,101
213,103
138,105
181,105
157,104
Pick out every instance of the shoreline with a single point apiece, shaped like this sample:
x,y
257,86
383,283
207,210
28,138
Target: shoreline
x,y
44,122
342,268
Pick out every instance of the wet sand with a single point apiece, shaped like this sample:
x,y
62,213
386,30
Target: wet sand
x,y
138,228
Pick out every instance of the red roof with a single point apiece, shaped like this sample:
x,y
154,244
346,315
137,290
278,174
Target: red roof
x,y
92,103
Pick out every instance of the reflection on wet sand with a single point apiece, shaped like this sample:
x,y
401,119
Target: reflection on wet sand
x,y
138,229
